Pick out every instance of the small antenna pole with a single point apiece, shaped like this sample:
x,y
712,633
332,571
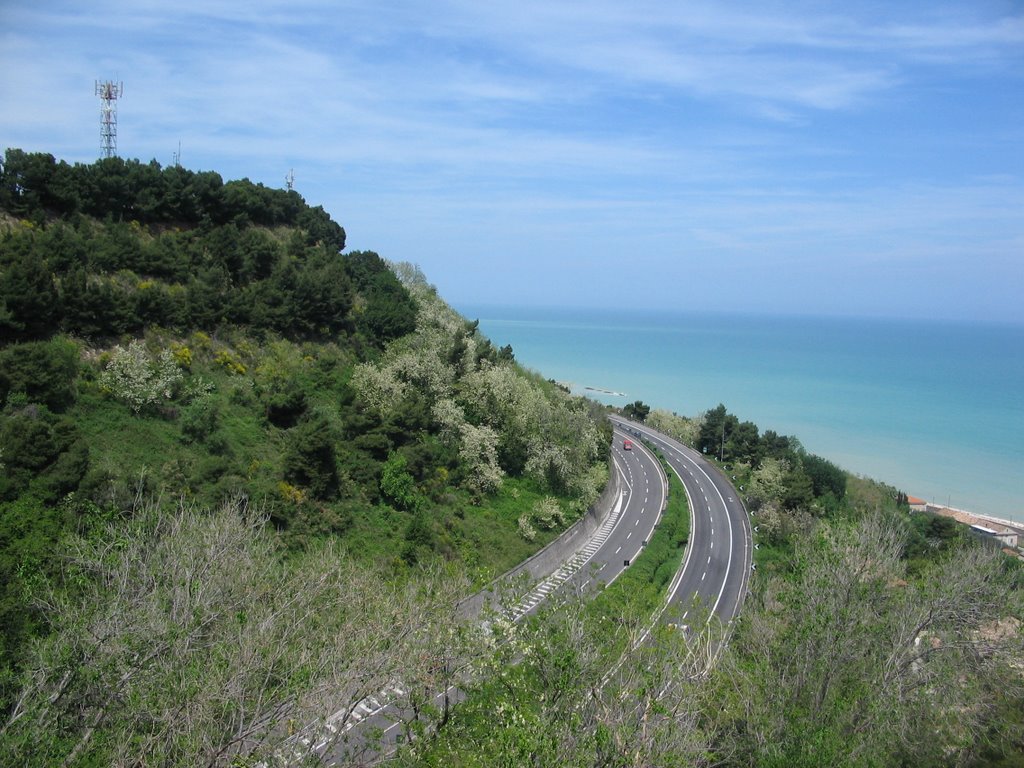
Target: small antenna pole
x,y
109,92
289,180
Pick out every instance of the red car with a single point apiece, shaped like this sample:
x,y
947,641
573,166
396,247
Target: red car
x,y
627,445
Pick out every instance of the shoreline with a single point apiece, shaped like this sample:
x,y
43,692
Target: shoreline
x,y
587,390
608,392
923,434
584,389
965,515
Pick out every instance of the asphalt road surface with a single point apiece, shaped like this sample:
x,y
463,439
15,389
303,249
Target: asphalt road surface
x,y
716,570
710,585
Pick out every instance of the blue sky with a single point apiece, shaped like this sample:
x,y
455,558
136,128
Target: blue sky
x,y
823,158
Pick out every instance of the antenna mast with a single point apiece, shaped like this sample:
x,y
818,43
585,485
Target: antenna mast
x,y
109,92
289,180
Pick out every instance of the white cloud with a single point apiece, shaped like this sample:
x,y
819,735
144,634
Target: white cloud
x,y
441,129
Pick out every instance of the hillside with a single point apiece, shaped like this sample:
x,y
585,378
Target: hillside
x,y
170,338
247,476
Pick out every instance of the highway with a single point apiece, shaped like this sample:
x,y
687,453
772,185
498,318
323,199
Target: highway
x,y
619,540
597,561
713,580
710,585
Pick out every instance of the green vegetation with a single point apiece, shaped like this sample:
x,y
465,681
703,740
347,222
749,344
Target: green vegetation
x,y
783,486
855,658
168,338
247,477
636,410
185,638
642,589
851,656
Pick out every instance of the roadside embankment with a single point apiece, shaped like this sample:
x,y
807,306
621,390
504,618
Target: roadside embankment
x,y
544,562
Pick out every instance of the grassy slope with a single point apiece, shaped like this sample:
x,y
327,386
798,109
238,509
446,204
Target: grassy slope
x,y
244,452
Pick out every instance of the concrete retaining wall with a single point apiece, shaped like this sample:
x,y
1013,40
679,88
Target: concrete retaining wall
x,y
546,561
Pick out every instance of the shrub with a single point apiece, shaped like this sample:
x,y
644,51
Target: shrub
x,y
309,458
199,420
547,513
182,355
229,362
137,378
44,370
526,530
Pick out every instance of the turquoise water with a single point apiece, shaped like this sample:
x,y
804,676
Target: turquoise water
x,y
935,409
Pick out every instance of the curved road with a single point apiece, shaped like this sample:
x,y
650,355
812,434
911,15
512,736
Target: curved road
x,y
712,581
715,574
621,537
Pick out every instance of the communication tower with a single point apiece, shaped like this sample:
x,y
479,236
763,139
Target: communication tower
x,y
289,180
109,92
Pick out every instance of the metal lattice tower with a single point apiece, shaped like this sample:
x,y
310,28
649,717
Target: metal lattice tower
x,y
109,92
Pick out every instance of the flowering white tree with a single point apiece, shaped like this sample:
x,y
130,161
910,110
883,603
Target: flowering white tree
x,y
135,376
683,429
377,386
548,514
414,362
479,449
483,407
767,483
526,529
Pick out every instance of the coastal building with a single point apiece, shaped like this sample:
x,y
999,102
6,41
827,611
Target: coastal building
x,y
1001,533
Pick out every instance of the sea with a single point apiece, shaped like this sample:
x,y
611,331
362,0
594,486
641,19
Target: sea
x,y
933,408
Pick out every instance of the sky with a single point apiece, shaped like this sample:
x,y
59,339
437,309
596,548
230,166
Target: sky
x,y
853,158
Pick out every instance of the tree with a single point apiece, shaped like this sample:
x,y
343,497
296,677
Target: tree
x,y
797,491
24,181
478,451
141,380
716,427
767,482
681,428
397,485
44,371
637,411
309,459
743,443
28,293
825,476
27,447
188,640
849,662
